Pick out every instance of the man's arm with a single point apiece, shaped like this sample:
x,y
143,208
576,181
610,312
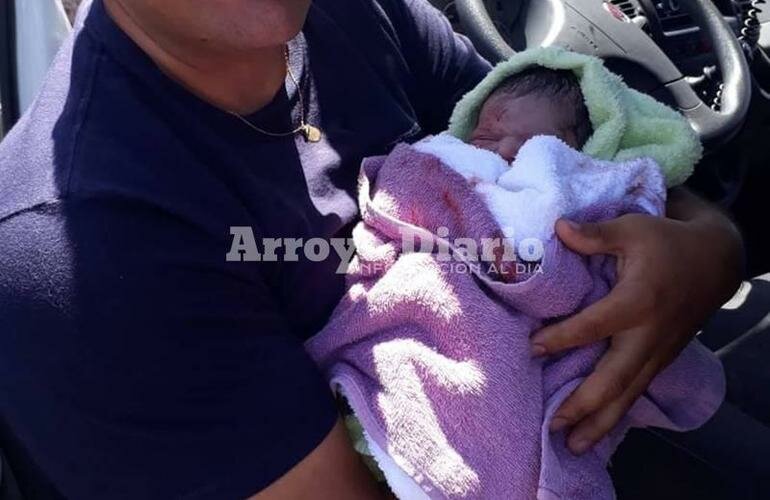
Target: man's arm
x,y
726,265
332,471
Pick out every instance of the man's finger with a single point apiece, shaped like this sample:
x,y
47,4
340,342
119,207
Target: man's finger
x,y
596,322
614,374
590,238
594,427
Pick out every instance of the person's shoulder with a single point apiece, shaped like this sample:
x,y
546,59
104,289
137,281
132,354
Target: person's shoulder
x,y
362,15
43,136
83,129
386,10
40,153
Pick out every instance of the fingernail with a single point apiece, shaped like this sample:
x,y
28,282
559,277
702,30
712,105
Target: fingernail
x,y
573,225
538,350
580,446
557,424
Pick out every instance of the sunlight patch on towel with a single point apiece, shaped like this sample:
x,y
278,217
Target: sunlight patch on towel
x,y
402,365
416,280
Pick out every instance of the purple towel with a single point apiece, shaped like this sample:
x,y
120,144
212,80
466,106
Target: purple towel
x,y
435,362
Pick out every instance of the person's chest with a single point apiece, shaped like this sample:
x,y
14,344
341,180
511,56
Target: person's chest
x,y
301,194
214,171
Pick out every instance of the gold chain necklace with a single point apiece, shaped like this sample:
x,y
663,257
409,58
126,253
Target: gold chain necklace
x,y
311,133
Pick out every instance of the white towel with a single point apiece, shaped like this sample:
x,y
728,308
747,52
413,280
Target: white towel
x,y
546,181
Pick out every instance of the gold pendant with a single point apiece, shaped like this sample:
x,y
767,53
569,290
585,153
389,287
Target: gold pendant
x,y
311,133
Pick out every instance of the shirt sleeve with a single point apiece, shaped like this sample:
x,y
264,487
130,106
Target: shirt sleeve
x,y
138,363
445,64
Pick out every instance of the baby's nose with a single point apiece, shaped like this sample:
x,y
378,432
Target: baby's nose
x,y
508,148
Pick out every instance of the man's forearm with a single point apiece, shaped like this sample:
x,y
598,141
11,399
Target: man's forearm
x,y
717,232
332,471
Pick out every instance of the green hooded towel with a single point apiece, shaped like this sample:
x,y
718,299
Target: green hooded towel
x,y
627,124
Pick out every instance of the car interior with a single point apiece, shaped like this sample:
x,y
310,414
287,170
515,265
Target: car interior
x,y
710,59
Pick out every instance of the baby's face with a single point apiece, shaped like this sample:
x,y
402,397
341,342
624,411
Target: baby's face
x,y
506,122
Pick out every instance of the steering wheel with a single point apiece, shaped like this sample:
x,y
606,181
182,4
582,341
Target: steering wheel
x,y
600,29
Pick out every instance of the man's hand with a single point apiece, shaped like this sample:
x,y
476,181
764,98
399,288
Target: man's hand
x,y
672,274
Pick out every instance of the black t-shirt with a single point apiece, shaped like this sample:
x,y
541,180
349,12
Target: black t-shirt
x,y
136,361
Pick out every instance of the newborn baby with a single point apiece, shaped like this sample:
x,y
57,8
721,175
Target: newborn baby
x,y
434,359
538,101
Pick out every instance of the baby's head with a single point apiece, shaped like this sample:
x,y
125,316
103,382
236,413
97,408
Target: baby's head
x,y
536,101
